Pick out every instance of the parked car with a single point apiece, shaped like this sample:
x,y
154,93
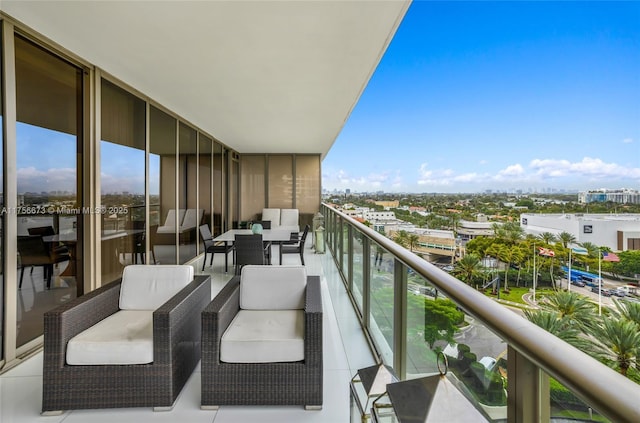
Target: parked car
x,y
488,362
603,291
619,292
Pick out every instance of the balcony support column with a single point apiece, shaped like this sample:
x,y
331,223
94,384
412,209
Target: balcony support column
x,y
528,398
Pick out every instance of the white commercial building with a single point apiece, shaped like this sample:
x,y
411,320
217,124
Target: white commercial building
x,y
620,232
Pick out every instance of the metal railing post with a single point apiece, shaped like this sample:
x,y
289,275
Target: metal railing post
x,y
528,397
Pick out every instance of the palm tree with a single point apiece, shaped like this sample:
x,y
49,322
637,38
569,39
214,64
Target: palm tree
x,y
508,255
559,326
547,237
628,311
617,343
566,238
467,268
592,249
572,306
412,240
401,238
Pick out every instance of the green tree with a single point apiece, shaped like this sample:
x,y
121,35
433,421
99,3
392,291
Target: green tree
x,y
547,237
627,310
401,238
441,320
412,240
468,268
552,322
616,343
577,309
566,238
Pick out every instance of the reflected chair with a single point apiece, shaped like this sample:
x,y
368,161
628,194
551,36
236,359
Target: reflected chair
x,y
249,249
296,247
131,343
57,248
262,340
134,244
34,252
212,247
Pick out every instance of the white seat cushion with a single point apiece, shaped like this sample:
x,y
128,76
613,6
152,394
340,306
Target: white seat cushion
x,y
289,217
125,337
273,287
148,287
264,336
273,215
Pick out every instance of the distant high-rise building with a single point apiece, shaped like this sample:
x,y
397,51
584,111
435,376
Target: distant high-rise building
x,y
622,196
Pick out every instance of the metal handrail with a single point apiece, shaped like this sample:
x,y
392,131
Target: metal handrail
x,y
602,388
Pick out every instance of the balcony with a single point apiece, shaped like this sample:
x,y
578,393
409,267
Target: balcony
x,y
383,282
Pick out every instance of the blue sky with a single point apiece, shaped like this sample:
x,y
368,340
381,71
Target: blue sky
x,y
475,96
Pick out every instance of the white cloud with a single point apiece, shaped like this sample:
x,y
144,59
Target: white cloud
x,y
31,179
539,172
627,140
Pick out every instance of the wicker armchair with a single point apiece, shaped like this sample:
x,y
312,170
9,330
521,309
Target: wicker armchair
x,y
261,383
176,352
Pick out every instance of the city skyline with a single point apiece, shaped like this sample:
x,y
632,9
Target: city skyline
x,y
477,96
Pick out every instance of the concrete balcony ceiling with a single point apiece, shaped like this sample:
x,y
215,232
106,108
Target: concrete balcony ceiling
x,y
260,76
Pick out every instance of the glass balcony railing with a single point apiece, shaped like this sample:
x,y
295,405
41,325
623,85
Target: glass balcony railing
x,y
507,367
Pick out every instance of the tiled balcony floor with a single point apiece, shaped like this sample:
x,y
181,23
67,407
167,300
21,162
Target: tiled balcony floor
x,y
345,351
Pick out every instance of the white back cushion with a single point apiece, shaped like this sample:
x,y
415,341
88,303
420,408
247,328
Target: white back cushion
x,y
272,215
273,287
192,218
148,287
289,217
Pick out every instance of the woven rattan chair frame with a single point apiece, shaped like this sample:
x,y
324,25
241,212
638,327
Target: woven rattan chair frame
x,y
211,247
297,383
176,352
250,249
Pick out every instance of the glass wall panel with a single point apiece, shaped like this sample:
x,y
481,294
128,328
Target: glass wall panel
x,y
162,186
218,189
358,269
381,303
252,186
345,249
280,193
48,153
188,193
233,194
2,216
122,180
205,155
566,406
307,187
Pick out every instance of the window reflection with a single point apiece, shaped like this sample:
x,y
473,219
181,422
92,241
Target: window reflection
x,y
187,229
162,183
49,223
122,176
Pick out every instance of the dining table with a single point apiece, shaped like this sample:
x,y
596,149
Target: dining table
x,y
270,235
274,236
